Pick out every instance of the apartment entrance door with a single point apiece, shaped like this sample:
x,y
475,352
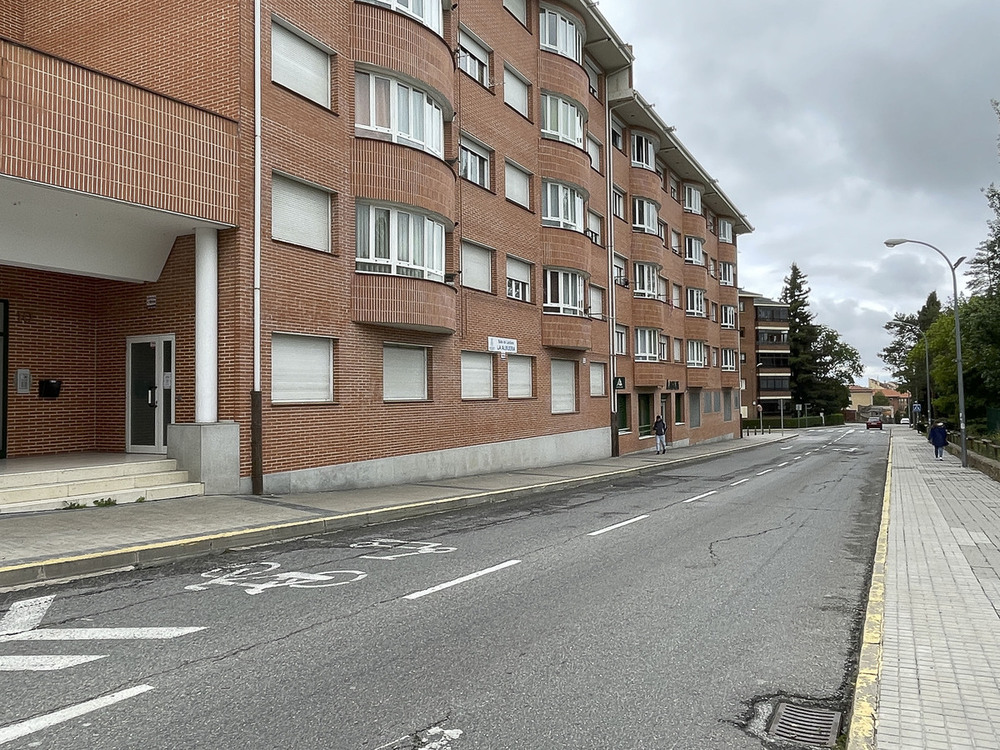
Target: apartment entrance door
x,y
150,405
3,374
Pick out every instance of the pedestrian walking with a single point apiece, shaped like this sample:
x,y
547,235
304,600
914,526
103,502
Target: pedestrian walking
x,y
938,437
660,430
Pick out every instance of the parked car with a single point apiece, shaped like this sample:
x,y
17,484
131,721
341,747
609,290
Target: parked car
x,y
904,420
873,422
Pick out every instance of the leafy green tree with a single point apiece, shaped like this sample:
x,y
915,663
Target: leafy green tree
x,y
879,399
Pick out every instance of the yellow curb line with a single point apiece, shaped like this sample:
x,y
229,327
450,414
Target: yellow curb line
x,y
864,712
324,520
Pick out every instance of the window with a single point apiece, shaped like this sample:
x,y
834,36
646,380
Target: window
x,y
675,241
559,33
729,360
645,404
562,206
477,375
300,213
517,9
728,316
300,65
563,386
301,368
678,350
473,57
562,120
595,227
477,267
661,230
517,185
694,250
426,11
519,381
618,203
596,297
725,230
394,241
518,279
696,354
563,292
594,152
678,408
643,151
647,348
710,221
624,413
692,199
696,302
714,313
727,405
675,187
644,215
727,273
664,348
675,297
711,267
646,283
391,110
621,340
404,373
617,134
715,356
515,90
598,379
474,162
619,268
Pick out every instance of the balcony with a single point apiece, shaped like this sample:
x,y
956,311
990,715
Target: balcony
x,y
404,302
566,332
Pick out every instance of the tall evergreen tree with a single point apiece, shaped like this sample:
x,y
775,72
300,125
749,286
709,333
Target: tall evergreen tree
x,y
802,336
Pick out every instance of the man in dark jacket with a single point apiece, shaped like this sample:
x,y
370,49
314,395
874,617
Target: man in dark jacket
x,y
660,430
938,437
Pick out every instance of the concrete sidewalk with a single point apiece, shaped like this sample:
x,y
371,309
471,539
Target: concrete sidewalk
x,y
930,658
43,547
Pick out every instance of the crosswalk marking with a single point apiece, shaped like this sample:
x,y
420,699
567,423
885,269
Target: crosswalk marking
x,y
46,663
24,728
24,615
98,634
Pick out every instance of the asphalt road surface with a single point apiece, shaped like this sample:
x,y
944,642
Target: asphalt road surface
x,y
656,612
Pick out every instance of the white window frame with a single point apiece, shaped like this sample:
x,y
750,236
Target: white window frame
x,y
728,316
300,63
647,345
300,213
593,77
474,162
562,206
621,340
695,302
645,280
692,199
515,176
644,215
410,384
473,56
516,90
677,296
618,202
727,273
560,33
563,292
477,266
725,230
675,186
428,12
598,379
644,149
664,348
675,242
518,279
678,349
393,120
477,376
520,382
619,267
729,360
695,353
301,368
595,227
594,149
563,382
595,297
617,134
517,9
392,241
694,250
562,120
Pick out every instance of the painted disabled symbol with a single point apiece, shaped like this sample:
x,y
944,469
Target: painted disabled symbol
x,y
259,577
401,548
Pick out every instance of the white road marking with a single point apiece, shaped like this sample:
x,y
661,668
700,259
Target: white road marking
x,y
617,525
787,447
797,458
48,663
699,497
463,579
740,482
784,464
24,615
24,728
98,634
766,471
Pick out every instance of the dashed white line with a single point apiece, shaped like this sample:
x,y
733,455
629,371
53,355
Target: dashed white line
x,y
463,579
797,458
699,497
740,482
766,471
617,525
784,464
24,728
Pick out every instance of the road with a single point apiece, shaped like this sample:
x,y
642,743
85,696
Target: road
x,y
666,611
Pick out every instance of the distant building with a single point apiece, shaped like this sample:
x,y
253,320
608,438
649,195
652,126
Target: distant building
x,y
765,381
863,398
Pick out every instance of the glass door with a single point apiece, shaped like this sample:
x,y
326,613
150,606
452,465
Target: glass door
x,y
150,405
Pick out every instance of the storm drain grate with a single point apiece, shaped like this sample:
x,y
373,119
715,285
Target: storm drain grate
x,y
806,724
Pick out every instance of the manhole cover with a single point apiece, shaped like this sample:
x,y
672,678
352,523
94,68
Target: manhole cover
x,y
806,724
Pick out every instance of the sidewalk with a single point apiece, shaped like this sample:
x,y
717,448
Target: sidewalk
x,y
930,661
51,545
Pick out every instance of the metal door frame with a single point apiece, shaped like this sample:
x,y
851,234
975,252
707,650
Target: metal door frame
x,y
159,444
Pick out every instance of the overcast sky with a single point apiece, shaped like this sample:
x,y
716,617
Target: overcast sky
x,y
834,125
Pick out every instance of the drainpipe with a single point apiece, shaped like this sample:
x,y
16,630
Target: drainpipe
x,y
609,212
256,418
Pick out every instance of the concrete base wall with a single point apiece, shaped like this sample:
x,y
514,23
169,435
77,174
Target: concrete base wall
x,y
209,453
512,455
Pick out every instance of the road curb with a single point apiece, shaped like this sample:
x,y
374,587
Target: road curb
x,y
864,712
55,570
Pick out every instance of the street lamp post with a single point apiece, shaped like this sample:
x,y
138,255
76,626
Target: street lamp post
x,y
958,335
927,365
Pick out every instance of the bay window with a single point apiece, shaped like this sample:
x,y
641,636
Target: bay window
x,y
696,302
729,360
692,199
644,215
394,241
563,292
727,273
562,120
392,110
728,316
646,281
694,250
725,230
562,206
560,34
643,151
696,353
647,345
428,12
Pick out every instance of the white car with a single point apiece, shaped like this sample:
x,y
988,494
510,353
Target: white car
x,y
904,420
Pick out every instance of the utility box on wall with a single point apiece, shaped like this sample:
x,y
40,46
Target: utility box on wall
x,y
49,388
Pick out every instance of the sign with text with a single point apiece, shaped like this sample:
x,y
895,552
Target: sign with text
x,y
497,344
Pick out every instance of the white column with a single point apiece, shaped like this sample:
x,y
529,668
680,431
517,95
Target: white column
x,y
206,325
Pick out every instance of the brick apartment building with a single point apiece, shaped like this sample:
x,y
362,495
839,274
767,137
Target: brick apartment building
x,y
316,245
764,352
